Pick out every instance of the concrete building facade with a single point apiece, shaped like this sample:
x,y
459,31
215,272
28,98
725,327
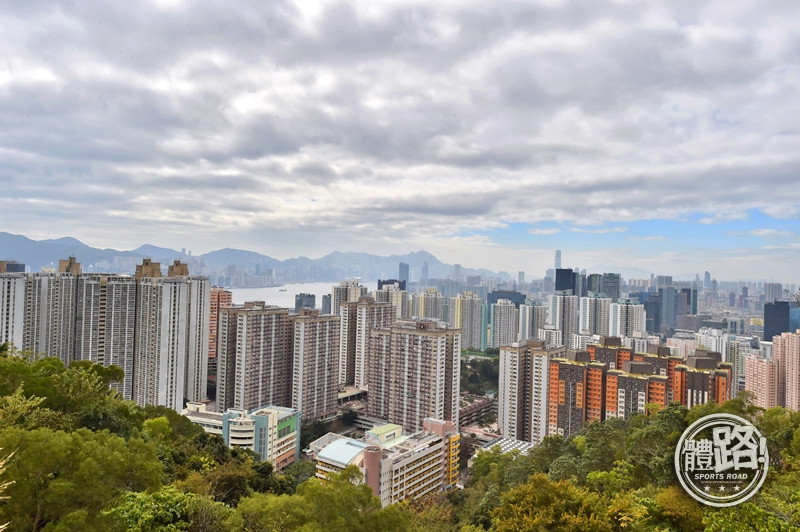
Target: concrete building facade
x,y
414,372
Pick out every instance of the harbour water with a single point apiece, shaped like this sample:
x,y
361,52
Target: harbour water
x,y
283,296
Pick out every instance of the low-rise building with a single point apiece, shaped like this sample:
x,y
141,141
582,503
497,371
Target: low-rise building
x,y
396,467
272,432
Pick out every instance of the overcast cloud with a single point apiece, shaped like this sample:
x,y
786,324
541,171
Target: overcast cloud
x,y
662,135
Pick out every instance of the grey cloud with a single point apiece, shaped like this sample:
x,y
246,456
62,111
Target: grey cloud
x,y
579,112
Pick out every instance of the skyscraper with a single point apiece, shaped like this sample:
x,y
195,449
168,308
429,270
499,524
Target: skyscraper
x,y
315,353
414,372
563,315
786,352
523,390
12,308
220,298
346,291
428,304
369,315
762,380
594,315
255,357
566,279
397,296
610,285
669,308
776,319
531,319
403,273
626,318
466,313
50,311
504,323
558,259
594,283
160,352
304,300
105,324
773,292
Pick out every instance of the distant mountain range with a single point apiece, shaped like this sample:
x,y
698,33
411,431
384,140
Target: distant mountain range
x,y
332,267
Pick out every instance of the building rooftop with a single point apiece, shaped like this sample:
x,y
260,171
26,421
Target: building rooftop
x,y
508,445
342,451
383,429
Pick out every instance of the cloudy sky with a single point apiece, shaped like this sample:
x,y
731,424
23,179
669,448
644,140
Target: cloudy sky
x,y
657,135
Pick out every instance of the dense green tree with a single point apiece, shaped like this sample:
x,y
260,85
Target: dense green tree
x,y
743,518
262,512
430,513
541,504
349,416
342,503
17,410
55,473
298,472
600,445
167,510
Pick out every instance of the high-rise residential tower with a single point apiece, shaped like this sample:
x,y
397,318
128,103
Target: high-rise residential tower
x,y
12,308
626,318
504,323
315,353
466,313
786,352
762,380
346,291
523,390
357,319
531,319
369,315
428,304
219,299
171,337
255,357
105,324
563,314
594,314
414,372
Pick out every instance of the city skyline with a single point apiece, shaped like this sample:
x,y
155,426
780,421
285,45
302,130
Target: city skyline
x,y
660,137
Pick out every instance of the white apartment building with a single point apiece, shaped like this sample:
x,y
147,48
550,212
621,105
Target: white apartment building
x,y
504,323
626,319
563,315
594,315
531,319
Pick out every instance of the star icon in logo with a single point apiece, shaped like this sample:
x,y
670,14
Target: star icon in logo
x,y
722,488
707,488
736,488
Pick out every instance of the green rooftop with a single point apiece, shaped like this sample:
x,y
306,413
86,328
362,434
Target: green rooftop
x,y
383,429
